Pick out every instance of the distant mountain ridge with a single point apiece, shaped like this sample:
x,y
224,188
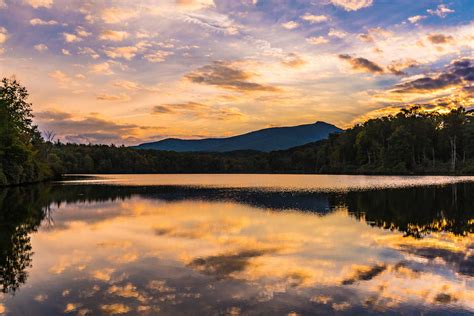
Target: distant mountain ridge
x,y
266,140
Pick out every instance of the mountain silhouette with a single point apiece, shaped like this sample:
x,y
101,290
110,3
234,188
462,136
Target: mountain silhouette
x,y
269,139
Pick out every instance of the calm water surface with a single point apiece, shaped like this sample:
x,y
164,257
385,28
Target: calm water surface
x,y
238,245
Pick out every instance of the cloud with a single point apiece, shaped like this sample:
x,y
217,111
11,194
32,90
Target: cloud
x,y
40,3
362,64
223,266
88,52
215,22
113,97
89,129
337,33
417,18
128,290
71,307
42,22
127,85
67,82
116,15
459,72
59,76
3,5
294,61
291,25
81,31
179,107
227,76
198,110
317,40
308,17
71,38
65,52
364,273
158,56
352,5
440,38
115,36
374,33
114,309
398,67
102,68
442,11
131,86
195,4
126,52
41,47
3,35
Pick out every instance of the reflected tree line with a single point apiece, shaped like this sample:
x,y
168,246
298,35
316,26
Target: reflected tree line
x,y
415,211
22,209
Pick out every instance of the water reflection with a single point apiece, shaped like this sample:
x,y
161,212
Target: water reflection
x,y
415,211
104,249
21,213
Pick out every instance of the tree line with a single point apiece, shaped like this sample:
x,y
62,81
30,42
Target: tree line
x,y
413,141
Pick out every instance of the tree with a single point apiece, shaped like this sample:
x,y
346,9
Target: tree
x,y
20,140
453,125
19,110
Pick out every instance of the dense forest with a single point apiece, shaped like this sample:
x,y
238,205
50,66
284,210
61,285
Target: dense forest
x,y
414,141
411,142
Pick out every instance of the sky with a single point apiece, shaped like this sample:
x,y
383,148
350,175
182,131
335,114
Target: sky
x,y
133,71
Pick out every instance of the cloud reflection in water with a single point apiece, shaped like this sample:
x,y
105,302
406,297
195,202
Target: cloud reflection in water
x,y
144,250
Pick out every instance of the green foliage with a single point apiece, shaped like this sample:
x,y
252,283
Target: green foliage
x,y
21,144
412,142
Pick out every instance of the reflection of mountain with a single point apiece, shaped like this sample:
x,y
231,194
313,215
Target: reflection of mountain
x,y
276,200
21,213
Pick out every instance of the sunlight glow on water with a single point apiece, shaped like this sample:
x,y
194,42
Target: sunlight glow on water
x,y
141,250
269,181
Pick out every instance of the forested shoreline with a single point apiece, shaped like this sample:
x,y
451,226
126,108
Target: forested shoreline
x,y
414,141
411,142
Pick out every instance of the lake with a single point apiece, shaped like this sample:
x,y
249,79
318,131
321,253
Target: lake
x,y
238,245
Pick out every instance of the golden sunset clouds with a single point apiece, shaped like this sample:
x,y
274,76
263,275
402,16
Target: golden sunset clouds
x,y
247,65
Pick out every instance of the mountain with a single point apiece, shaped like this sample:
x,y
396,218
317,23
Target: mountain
x,y
269,139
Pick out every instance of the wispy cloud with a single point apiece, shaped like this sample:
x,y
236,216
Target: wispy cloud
x,y
442,11
37,21
311,18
